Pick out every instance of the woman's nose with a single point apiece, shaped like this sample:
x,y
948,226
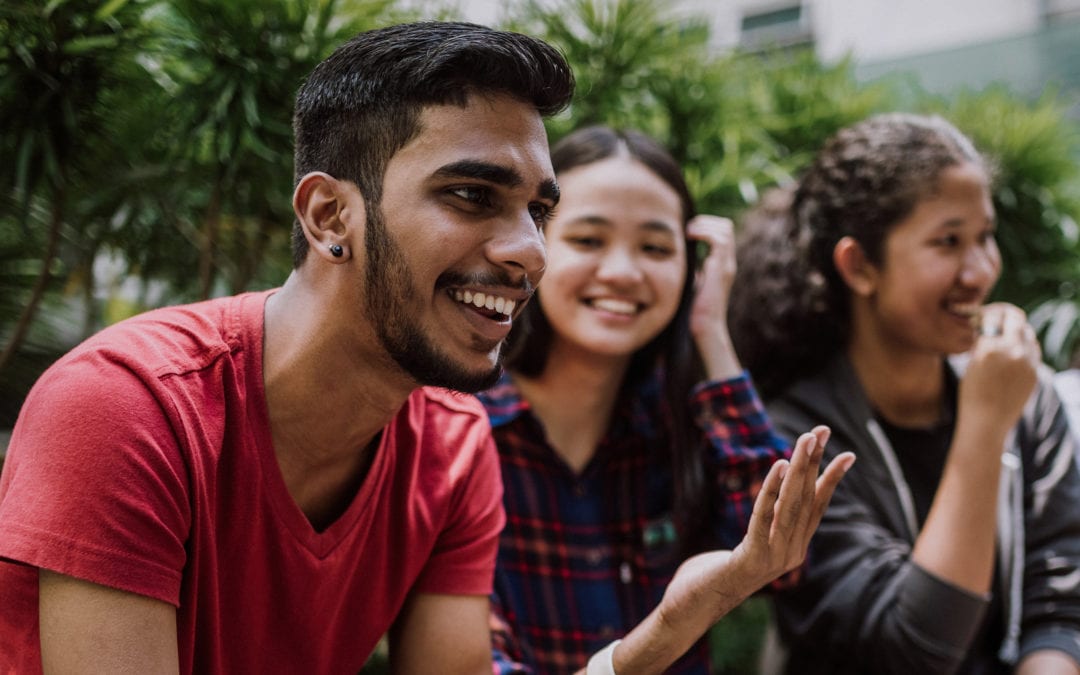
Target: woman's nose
x,y
618,264
981,265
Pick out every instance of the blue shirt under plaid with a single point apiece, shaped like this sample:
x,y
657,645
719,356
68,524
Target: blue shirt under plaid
x,y
585,557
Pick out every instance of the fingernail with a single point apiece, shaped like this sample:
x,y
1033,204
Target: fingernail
x,y
783,467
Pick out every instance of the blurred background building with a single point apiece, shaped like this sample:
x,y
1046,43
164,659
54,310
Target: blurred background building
x,y
1028,45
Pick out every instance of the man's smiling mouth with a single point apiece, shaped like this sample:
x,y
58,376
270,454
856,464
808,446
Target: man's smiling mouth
x,y
497,305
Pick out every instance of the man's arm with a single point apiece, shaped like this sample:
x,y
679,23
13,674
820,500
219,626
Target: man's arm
x,y
88,628
442,633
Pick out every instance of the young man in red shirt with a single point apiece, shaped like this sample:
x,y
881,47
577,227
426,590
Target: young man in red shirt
x,y
263,483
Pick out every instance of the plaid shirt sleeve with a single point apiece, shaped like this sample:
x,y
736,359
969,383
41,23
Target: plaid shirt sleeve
x,y
505,652
742,446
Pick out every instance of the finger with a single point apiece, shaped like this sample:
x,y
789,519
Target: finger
x,y
1012,324
823,434
816,453
990,325
824,489
761,518
718,233
793,491
1034,348
1028,333
710,228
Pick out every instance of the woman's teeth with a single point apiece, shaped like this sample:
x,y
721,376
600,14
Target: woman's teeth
x,y
965,308
615,306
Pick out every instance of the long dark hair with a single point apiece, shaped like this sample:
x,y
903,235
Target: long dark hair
x,y
673,349
790,310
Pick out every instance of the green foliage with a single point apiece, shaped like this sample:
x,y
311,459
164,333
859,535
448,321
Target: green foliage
x,y
228,73
735,122
59,63
736,641
621,51
56,62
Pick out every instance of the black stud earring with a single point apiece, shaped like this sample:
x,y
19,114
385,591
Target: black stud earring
x,y
336,250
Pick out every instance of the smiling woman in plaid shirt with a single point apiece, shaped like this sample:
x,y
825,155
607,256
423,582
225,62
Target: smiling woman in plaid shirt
x,y
630,438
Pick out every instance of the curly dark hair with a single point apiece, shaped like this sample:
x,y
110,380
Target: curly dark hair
x,y
362,103
790,310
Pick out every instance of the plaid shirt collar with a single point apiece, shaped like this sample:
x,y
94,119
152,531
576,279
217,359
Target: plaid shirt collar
x,y
505,404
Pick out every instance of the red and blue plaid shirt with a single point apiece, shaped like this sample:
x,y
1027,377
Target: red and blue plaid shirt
x,y
585,557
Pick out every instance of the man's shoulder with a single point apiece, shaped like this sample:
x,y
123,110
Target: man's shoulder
x,y
173,339
444,424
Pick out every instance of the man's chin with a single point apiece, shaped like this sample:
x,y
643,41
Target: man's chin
x,y
462,380
482,372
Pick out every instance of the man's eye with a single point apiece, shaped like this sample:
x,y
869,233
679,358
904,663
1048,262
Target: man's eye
x,y
541,213
474,194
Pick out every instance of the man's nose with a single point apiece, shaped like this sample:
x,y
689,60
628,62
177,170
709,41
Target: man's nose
x,y
519,247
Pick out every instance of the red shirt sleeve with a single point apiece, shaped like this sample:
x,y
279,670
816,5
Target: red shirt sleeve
x,y
94,485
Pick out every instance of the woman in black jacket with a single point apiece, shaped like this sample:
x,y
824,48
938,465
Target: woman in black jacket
x,y
860,302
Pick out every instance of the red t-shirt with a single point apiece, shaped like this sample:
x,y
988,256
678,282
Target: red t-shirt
x,y
143,461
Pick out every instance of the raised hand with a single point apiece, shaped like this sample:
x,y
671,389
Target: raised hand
x,y
708,315
787,511
786,514
1001,375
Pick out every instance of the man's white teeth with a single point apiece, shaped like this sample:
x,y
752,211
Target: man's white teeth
x,y
615,306
486,301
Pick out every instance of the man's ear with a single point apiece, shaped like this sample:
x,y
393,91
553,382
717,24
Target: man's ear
x,y
853,266
329,214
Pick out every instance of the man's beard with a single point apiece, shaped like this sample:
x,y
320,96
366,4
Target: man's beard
x,y
391,299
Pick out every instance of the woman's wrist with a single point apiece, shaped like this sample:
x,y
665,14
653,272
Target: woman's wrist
x,y
603,661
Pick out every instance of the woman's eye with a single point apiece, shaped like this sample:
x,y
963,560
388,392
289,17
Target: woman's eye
x,y
658,250
585,242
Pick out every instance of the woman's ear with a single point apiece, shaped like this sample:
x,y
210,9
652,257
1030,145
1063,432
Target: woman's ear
x,y
326,209
853,266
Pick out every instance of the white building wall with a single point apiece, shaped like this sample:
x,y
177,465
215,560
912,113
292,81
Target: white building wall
x,y
873,30
486,12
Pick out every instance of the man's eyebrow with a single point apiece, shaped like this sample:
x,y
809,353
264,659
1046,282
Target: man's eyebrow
x,y
497,174
486,171
549,189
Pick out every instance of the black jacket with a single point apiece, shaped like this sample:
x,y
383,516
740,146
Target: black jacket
x,y
865,607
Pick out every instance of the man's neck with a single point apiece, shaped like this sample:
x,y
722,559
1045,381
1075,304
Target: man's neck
x,y
330,390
